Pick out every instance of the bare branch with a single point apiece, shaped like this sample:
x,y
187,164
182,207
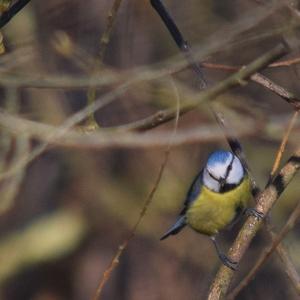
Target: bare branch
x,y
265,200
275,238
238,78
237,149
283,145
12,11
221,87
264,81
104,41
115,261
289,225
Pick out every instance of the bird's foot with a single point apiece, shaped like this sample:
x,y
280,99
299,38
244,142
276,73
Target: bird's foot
x,y
228,262
251,211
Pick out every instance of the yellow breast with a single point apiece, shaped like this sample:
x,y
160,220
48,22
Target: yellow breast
x,y
212,212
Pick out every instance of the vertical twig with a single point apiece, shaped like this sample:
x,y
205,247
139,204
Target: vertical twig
x,y
104,41
10,186
289,267
283,145
115,261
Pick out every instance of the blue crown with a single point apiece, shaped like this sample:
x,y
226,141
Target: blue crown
x,y
219,157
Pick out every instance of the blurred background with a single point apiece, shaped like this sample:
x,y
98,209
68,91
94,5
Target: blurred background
x,y
68,203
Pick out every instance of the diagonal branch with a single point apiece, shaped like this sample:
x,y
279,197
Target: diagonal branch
x,y
263,81
281,250
236,79
265,201
12,11
283,254
289,225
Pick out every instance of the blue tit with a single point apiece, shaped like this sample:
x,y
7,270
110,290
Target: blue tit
x,y
219,193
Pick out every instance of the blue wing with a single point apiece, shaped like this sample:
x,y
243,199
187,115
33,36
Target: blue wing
x,y
194,191
192,194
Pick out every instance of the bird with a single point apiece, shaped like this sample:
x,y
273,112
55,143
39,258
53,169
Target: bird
x,y
215,200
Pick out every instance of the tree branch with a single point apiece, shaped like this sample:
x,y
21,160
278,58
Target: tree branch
x,y
238,78
265,200
104,41
289,225
264,81
12,11
237,150
115,261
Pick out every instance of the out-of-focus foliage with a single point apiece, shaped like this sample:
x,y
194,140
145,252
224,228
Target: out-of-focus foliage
x,y
4,5
64,214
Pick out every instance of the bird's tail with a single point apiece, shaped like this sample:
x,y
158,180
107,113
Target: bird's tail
x,y
180,223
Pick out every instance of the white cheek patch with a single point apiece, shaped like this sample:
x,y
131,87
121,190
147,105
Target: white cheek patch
x,y
210,183
236,173
219,169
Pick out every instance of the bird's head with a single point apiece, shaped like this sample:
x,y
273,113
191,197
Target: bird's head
x,y
223,171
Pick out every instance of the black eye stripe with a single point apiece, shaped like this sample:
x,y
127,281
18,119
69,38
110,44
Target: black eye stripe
x,y
222,181
212,176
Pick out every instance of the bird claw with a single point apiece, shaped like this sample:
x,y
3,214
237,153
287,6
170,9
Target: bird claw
x,y
253,212
228,262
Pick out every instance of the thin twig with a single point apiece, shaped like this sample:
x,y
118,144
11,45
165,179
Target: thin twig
x,y
289,225
104,41
105,38
235,79
264,81
62,130
19,148
283,63
153,72
12,11
218,41
115,261
289,267
110,138
283,145
238,78
277,89
265,201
